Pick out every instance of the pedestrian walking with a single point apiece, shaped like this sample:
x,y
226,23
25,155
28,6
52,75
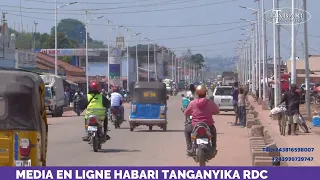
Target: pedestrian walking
x,y
242,114
271,96
235,94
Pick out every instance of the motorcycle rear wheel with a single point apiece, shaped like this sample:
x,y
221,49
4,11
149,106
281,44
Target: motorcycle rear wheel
x,y
202,161
95,143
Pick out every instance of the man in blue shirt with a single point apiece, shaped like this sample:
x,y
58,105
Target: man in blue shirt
x,y
235,94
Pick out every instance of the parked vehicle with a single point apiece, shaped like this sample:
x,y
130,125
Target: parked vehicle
x,y
23,119
54,95
222,96
202,150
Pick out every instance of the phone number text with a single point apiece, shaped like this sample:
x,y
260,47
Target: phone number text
x,y
282,159
288,149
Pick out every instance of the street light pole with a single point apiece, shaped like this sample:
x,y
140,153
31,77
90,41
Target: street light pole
x,y
148,61
275,58
128,58
264,59
56,35
87,58
155,62
128,63
34,35
172,66
293,47
55,42
306,55
108,56
109,37
137,62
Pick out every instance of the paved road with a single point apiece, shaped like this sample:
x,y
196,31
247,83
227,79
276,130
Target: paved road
x,y
141,147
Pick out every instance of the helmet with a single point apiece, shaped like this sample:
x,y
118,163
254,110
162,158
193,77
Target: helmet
x,y
94,86
293,87
201,90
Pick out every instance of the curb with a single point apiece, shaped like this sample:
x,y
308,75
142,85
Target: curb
x,y
261,142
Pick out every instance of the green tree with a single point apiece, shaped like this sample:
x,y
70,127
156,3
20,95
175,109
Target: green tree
x,y
197,59
73,29
63,42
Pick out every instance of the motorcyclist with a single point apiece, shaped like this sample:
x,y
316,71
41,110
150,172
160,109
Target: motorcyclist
x,y
78,95
94,100
116,100
201,110
103,92
192,91
76,98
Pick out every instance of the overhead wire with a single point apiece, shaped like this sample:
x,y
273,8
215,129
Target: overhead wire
x,y
161,3
204,45
82,2
285,28
164,26
155,26
125,12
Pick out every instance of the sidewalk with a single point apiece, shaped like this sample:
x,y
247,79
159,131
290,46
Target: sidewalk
x,y
303,140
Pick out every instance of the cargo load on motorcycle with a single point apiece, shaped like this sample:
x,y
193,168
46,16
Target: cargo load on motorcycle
x,y
23,119
149,105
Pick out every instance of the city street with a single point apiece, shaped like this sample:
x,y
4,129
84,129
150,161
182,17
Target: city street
x,y
142,147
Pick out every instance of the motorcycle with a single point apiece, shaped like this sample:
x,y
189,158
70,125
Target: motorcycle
x,y
95,132
116,118
202,150
125,97
175,92
76,108
76,105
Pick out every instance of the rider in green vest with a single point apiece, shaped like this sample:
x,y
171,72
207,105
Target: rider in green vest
x,y
96,104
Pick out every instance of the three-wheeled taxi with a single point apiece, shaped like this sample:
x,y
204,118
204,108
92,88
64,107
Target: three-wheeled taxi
x,y
23,119
149,105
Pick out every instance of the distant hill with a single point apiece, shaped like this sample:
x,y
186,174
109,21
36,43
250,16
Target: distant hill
x,y
219,64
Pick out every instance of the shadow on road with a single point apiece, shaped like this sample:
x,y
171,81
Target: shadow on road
x,y
72,115
117,150
161,131
225,114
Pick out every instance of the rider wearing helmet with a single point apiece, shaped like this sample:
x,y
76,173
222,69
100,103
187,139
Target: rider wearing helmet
x,y
201,110
94,100
116,100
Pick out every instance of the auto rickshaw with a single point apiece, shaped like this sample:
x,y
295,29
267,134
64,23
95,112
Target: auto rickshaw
x,y
23,119
149,105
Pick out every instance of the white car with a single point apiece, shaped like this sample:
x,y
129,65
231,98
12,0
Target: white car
x,y
222,96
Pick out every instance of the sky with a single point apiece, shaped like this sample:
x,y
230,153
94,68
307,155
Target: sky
x,y
210,27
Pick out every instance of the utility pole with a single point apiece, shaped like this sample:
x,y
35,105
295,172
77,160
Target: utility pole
x,y
293,47
275,58
306,54
34,35
264,51
259,48
279,55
